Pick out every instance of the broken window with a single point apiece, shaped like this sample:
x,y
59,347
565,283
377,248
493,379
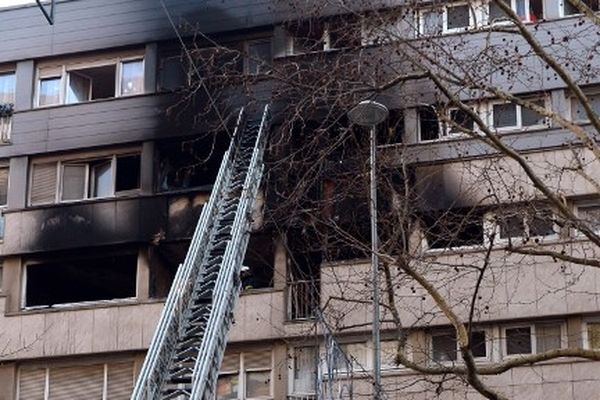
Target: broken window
x,y
84,179
190,163
258,265
53,282
443,347
453,228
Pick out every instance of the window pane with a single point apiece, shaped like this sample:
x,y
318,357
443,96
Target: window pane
x,y
458,17
3,186
79,88
432,22
478,345
258,384
495,12
530,117
521,9
511,226
305,369
259,56
49,92
590,215
547,337
228,387
536,10
505,115
518,341
541,223
73,182
128,173
7,88
389,350
132,79
102,179
428,124
444,347
462,119
593,331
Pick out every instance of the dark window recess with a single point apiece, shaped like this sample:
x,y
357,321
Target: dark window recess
x,y
393,130
81,280
258,265
511,226
303,273
128,173
541,223
477,344
429,127
444,347
453,228
570,9
344,32
460,119
518,341
164,261
458,17
173,73
190,163
308,35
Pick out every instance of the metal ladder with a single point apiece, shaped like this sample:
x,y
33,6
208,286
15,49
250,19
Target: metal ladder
x,y
187,348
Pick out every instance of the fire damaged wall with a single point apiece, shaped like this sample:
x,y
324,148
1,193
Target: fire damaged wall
x,y
142,220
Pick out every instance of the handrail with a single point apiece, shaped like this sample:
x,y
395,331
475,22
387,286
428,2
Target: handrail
x,y
151,375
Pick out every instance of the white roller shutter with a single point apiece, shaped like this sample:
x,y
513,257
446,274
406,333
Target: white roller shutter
x,y
120,381
80,382
32,383
43,183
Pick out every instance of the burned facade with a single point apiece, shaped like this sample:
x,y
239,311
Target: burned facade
x,y
113,125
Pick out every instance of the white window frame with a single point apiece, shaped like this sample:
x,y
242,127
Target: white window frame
x,y
64,77
291,371
491,226
474,16
513,6
564,15
584,332
519,116
60,162
241,371
584,204
593,91
489,348
533,333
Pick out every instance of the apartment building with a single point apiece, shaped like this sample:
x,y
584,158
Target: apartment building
x,y
106,162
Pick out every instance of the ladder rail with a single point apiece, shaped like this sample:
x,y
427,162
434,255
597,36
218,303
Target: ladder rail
x,y
153,371
225,286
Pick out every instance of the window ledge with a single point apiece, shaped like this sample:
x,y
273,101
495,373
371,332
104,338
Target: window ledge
x,y
91,305
250,292
107,100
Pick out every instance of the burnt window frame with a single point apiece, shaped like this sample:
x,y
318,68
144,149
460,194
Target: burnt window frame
x,y
469,214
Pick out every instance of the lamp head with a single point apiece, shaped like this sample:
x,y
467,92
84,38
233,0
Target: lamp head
x,y
368,113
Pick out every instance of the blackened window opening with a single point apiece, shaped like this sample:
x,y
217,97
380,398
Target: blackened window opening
x,y
190,163
128,173
258,265
429,127
453,228
81,280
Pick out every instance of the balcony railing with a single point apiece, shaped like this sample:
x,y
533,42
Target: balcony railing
x,y
302,299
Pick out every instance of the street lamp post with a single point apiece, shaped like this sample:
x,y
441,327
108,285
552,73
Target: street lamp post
x,y
369,114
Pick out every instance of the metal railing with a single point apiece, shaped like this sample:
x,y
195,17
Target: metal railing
x,y
302,299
